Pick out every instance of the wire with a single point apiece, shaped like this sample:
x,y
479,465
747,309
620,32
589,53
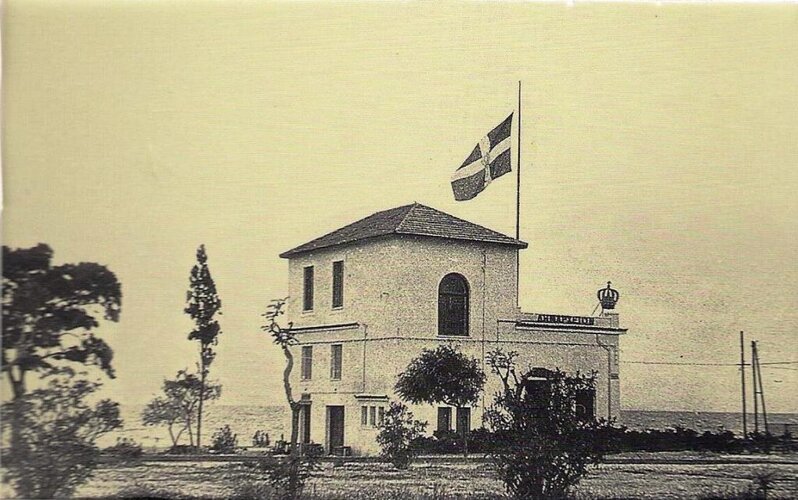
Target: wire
x,y
680,363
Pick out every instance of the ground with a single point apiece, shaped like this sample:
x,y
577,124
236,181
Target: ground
x,y
659,477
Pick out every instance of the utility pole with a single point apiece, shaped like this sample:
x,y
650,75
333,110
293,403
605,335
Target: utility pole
x,y
742,381
754,368
755,355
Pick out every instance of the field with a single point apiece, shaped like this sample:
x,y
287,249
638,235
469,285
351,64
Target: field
x,y
449,478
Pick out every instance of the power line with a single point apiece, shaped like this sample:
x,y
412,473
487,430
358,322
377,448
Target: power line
x,y
680,363
688,363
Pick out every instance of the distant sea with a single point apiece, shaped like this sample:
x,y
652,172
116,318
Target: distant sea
x,y
246,420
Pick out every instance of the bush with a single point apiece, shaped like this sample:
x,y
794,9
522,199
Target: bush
x,y
224,441
124,449
52,439
261,439
544,446
398,435
282,478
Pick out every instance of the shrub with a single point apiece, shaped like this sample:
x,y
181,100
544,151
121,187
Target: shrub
x,y
544,446
124,449
283,479
224,441
397,435
261,439
53,437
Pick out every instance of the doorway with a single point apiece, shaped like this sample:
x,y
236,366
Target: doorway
x,y
335,428
304,424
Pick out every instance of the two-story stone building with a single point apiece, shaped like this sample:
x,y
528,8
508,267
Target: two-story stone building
x,y
367,298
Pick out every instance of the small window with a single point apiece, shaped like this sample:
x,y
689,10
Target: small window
x,y
338,284
373,416
586,404
336,355
463,420
380,415
307,362
453,305
307,287
444,419
364,416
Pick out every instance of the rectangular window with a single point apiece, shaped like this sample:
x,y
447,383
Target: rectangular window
x,y
586,404
364,416
444,419
336,355
307,362
373,416
463,420
338,284
307,287
380,415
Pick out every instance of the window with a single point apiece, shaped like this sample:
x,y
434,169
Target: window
x,y
338,284
586,404
307,362
307,287
336,355
372,416
463,420
453,305
444,419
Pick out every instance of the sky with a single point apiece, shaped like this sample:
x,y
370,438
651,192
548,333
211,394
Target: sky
x,y
658,151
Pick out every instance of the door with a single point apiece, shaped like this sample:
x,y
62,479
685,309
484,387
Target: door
x,y
335,427
304,424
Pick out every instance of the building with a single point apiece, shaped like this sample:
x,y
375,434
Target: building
x,y
367,298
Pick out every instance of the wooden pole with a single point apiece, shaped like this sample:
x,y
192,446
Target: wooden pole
x,y
753,381
761,389
742,381
518,203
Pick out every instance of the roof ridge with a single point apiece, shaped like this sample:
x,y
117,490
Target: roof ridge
x,y
462,220
412,206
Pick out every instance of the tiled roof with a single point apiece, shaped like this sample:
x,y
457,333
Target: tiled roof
x,y
413,219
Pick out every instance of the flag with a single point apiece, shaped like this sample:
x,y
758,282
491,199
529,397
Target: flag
x,y
489,160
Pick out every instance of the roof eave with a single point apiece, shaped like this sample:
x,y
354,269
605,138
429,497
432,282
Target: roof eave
x,y
299,251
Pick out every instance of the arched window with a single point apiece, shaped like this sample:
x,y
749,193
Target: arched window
x,y
453,305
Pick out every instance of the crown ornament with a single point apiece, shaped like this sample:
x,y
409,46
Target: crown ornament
x,y
608,297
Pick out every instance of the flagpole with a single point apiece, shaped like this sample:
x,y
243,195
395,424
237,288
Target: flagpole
x,y
518,173
518,204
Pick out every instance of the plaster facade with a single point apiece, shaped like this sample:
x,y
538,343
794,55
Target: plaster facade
x,y
390,313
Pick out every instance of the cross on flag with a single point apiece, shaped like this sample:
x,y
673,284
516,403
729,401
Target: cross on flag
x,y
489,160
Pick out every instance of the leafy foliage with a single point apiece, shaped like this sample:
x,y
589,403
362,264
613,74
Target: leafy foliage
x,y
544,447
397,435
443,375
124,449
49,313
224,440
179,405
53,447
203,304
261,439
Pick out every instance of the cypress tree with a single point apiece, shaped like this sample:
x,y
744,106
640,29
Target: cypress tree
x,y
203,304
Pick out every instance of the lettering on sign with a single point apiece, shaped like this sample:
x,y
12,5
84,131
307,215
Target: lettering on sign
x,y
567,320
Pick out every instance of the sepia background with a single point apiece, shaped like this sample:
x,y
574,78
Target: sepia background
x,y
659,152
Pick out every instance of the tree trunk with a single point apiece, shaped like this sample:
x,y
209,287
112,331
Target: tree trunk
x,y
289,366
465,442
17,384
203,376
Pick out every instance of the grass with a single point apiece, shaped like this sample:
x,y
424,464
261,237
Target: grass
x,y
433,481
